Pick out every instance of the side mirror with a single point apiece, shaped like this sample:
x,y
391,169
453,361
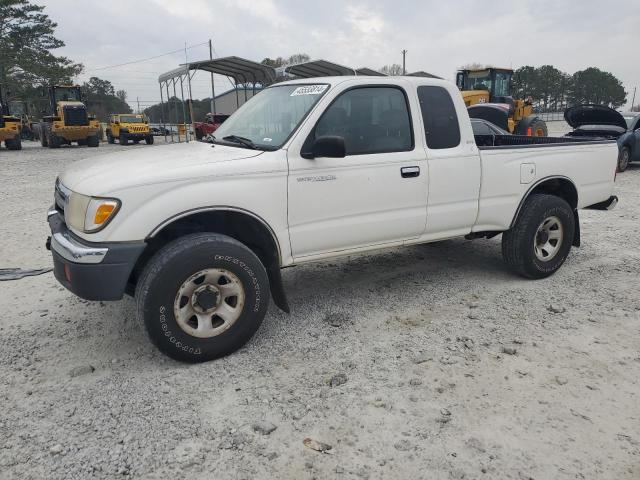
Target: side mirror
x,y
326,146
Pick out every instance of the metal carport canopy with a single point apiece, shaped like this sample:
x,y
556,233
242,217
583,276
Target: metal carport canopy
x,y
318,68
240,69
370,72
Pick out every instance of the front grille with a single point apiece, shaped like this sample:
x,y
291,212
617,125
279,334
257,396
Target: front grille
x,y
76,116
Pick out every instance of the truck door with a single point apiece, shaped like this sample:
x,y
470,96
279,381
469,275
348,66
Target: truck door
x,y
454,164
376,194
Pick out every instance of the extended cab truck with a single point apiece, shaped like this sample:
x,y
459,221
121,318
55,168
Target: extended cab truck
x,y
129,126
307,171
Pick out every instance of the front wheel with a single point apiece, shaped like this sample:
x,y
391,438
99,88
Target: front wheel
x,y
202,296
14,144
123,139
148,139
540,241
623,159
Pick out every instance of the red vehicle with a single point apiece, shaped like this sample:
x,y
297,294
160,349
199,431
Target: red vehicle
x,y
210,125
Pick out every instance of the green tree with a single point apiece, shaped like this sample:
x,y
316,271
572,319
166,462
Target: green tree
x,y
100,97
596,86
393,69
26,40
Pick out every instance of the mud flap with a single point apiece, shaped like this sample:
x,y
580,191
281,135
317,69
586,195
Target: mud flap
x,y
277,288
576,233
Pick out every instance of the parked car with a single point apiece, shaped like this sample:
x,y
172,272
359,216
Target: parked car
x,y
312,170
210,125
604,122
484,127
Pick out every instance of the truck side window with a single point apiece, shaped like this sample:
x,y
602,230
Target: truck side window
x,y
439,115
370,119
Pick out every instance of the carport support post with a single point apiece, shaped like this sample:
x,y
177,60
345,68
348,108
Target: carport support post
x,y
213,88
184,113
175,116
164,125
168,111
190,101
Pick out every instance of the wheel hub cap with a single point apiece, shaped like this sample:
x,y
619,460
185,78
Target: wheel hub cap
x,y
209,302
548,239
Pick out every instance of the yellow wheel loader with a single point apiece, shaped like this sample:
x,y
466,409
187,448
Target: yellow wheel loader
x,y
68,120
10,127
487,94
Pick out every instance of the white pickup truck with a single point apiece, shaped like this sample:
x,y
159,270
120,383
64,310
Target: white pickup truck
x,y
305,171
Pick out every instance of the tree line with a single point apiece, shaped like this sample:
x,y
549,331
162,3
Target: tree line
x,y
27,63
554,90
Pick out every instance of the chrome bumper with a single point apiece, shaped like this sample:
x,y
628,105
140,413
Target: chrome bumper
x,y
68,248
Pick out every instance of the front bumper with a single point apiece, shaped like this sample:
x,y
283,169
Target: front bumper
x,y
93,271
608,204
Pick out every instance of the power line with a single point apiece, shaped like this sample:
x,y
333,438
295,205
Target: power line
x,y
148,58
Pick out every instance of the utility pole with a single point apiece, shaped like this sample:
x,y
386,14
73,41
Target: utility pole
x,y
213,88
138,101
633,102
404,63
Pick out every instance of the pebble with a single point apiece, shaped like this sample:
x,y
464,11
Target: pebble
x,y
81,370
554,308
509,350
561,380
264,428
415,382
337,380
56,449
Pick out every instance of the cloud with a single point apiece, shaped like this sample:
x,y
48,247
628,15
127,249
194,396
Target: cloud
x,y
439,36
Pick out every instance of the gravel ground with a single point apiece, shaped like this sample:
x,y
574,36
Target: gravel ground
x,y
425,362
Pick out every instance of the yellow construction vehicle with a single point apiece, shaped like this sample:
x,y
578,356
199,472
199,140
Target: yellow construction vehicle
x,y
129,126
68,120
10,127
487,94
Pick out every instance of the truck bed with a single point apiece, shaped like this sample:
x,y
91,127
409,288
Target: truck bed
x,y
485,142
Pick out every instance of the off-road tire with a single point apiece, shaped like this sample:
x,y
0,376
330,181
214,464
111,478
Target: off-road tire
x,y
110,138
123,140
82,142
518,243
171,266
53,140
93,141
44,141
539,128
14,143
199,134
148,139
623,159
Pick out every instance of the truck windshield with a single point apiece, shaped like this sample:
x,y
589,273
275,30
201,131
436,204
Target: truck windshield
x,y
269,118
131,119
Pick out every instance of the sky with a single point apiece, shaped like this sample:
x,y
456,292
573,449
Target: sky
x,y
439,36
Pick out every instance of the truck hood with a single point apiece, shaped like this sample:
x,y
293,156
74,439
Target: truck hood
x,y
589,114
149,165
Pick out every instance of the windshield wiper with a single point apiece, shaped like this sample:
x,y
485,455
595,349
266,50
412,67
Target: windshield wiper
x,y
242,141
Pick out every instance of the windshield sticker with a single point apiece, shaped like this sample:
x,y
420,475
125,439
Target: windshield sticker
x,y
267,139
309,90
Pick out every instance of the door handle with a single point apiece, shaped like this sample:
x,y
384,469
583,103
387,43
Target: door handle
x,y
410,172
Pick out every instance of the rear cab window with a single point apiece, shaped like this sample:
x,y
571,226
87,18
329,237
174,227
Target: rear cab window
x,y
441,126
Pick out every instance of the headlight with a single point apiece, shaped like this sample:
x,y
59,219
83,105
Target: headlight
x,y
90,214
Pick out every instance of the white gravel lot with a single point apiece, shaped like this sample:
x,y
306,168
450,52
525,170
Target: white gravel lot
x,y
454,367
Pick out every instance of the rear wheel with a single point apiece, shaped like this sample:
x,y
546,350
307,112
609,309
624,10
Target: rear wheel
x,y
93,140
14,143
110,138
199,134
43,135
623,159
539,242
148,139
123,139
202,296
